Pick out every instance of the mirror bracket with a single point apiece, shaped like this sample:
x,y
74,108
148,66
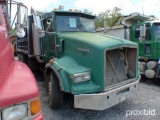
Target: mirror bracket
x,y
41,33
141,39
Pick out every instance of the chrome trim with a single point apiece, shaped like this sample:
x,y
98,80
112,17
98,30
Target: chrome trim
x,y
114,86
104,100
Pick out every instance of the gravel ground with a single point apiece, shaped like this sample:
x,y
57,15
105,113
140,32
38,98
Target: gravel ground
x,y
148,99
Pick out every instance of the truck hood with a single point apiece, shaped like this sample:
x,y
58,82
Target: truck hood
x,y
19,85
86,52
96,40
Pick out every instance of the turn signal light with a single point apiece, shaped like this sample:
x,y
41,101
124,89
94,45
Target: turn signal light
x,y
55,8
35,106
51,61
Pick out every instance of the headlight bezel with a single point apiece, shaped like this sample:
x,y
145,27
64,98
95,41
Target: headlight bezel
x,y
81,77
28,104
15,108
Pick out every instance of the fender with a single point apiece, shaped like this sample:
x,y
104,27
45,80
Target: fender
x,y
49,66
63,72
60,68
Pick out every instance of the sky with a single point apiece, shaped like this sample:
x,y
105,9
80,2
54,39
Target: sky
x,y
149,7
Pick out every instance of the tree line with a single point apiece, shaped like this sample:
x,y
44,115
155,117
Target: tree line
x,y
110,16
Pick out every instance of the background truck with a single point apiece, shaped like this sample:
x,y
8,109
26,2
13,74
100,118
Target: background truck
x,y
140,29
100,71
19,94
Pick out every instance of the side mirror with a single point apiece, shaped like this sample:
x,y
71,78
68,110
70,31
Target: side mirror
x,y
105,26
41,33
38,26
37,22
141,39
20,32
22,14
143,31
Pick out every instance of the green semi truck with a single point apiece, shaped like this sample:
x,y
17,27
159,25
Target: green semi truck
x,y
99,71
141,29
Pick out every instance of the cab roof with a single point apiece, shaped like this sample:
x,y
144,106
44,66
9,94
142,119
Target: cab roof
x,y
49,14
71,12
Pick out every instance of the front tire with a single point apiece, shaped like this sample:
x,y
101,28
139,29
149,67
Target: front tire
x,y
55,94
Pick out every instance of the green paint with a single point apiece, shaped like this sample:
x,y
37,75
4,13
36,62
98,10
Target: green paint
x,y
153,42
79,52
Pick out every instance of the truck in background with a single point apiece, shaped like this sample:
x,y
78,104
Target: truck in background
x,y
98,70
19,94
146,33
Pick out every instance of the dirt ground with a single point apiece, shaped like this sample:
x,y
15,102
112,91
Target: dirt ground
x,y
144,106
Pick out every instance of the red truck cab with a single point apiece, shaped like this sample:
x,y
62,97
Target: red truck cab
x,y
19,94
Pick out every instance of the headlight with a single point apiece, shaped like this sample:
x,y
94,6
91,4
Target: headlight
x,y
15,112
81,77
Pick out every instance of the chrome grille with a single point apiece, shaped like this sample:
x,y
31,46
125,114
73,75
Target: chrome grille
x,y
120,65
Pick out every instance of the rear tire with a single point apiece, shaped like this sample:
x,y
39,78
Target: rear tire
x,y
55,94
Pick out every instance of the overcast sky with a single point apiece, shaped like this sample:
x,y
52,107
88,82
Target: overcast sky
x,y
150,7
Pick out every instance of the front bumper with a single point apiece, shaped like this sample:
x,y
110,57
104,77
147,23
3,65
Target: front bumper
x,y
104,100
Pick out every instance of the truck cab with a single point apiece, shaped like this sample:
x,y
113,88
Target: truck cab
x,y
19,94
148,47
146,33
99,71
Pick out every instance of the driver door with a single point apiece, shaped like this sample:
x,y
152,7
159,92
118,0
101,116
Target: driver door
x,y
146,47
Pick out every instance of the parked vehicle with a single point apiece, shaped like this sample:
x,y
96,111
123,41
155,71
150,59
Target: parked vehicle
x,y
19,94
140,29
100,71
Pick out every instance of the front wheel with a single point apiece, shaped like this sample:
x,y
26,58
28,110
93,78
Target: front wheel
x,y
55,94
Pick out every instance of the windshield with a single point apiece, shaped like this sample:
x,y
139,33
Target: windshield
x,y
75,23
156,29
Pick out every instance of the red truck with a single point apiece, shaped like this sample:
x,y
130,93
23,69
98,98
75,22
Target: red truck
x,y
19,94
